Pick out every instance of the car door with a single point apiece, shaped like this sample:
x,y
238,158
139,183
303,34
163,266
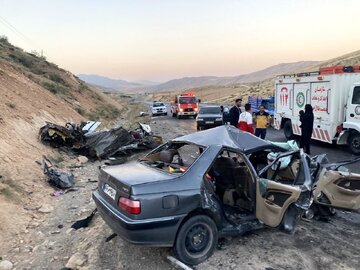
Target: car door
x,y
338,189
274,199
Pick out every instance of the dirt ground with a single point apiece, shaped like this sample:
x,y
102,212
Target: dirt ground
x,y
48,242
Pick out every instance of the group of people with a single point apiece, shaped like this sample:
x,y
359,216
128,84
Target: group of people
x,y
245,121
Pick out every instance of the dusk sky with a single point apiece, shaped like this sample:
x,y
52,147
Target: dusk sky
x,y
161,40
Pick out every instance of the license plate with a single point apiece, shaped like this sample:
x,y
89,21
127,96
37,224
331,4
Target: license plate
x,y
111,192
209,122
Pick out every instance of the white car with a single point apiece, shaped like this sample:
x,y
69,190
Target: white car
x,y
158,108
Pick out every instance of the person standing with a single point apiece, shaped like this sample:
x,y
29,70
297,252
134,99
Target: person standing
x,y
307,123
235,112
262,122
246,120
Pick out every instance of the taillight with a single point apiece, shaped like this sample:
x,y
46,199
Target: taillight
x,y
339,128
130,206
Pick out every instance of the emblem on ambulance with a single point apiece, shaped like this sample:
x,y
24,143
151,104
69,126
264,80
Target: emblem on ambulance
x,y
300,99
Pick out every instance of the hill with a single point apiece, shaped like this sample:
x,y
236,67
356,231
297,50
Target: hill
x,y
113,84
33,91
192,82
259,83
106,82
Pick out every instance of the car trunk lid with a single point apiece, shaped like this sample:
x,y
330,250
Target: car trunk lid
x,y
121,178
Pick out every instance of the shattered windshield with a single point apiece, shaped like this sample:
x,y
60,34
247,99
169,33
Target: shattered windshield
x,y
173,158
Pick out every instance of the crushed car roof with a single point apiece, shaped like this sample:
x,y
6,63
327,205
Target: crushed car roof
x,y
227,136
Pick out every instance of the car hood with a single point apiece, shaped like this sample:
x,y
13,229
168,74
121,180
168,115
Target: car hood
x,y
136,173
208,115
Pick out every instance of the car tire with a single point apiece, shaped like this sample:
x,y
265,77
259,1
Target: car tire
x,y
196,240
288,132
354,142
178,116
165,113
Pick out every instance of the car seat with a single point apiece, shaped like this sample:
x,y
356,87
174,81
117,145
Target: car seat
x,y
244,187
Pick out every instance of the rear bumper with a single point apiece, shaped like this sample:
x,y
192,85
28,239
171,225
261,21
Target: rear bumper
x,y
153,232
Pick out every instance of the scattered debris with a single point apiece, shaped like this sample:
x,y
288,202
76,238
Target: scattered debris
x,y
109,238
83,223
57,193
92,181
76,261
46,208
176,263
71,189
116,160
56,178
82,159
6,265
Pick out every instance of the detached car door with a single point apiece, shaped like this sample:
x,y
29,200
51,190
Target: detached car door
x,y
282,204
338,189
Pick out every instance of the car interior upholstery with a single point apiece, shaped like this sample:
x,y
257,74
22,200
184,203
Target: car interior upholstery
x,y
233,182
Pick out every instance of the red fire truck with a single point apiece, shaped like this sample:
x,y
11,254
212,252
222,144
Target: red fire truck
x,y
185,104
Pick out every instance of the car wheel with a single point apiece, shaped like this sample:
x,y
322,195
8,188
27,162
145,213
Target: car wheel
x,y
196,240
178,116
354,142
288,132
165,113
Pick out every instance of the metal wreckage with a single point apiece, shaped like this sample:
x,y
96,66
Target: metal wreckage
x,y
192,190
114,145
83,139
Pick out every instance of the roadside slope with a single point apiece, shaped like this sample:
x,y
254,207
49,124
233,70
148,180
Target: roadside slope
x,y
34,91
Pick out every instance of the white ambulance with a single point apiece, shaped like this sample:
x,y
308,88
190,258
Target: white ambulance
x,y
334,94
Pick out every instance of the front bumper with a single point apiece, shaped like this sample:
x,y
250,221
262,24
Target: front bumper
x,y
209,123
159,232
187,113
159,112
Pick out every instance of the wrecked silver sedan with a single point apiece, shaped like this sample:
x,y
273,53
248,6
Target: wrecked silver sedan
x,y
196,188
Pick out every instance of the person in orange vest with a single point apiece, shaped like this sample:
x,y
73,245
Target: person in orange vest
x,y
246,120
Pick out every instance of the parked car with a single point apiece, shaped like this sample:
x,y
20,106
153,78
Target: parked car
x,y
158,108
209,116
196,188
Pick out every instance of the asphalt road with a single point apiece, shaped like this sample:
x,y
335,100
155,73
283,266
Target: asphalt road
x,y
335,153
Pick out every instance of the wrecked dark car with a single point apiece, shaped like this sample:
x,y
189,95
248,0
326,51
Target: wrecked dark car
x,y
194,189
82,139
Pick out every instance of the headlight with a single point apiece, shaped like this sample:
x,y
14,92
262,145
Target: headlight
x,y
196,109
199,119
218,119
181,109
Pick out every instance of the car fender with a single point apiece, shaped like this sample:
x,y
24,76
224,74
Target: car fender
x,y
343,137
352,125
